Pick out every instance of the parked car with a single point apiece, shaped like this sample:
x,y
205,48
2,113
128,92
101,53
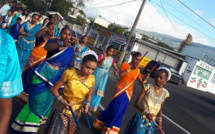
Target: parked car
x,y
175,78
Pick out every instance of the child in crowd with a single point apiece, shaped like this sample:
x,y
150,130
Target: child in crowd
x,y
15,29
149,104
78,86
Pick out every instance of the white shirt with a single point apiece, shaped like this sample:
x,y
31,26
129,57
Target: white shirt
x,y
4,10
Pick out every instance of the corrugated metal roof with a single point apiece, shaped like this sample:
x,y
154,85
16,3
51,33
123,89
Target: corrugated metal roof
x,y
164,50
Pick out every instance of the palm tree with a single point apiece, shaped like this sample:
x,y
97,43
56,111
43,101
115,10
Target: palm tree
x,y
185,43
77,7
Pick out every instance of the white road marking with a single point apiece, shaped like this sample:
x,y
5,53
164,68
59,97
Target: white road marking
x,y
101,107
187,132
176,124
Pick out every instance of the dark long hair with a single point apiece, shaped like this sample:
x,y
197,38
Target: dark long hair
x,y
26,15
81,39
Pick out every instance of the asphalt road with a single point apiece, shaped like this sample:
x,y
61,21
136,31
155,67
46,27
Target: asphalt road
x,y
186,111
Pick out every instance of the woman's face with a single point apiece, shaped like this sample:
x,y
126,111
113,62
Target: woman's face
x,y
88,67
85,40
110,52
66,34
26,12
35,19
46,21
10,13
160,78
50,30
136,60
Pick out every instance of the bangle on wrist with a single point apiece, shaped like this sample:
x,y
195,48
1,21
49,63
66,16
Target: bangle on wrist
x,y
158,119
87,104
59,98
145,112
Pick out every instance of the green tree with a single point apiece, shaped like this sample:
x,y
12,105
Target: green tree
x,y
62,6
116,28
36,5
80,20
77,7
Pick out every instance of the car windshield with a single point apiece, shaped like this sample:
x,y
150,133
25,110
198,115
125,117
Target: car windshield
x,y
173,70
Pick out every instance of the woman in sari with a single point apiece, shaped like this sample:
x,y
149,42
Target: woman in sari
x,y
78,86
101,75
37,55
7,21
110,120
60,56
26,41
149,104
79,49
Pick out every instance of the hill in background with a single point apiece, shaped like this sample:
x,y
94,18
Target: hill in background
x,y
196,50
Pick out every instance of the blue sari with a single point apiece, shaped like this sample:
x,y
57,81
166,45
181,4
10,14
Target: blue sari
x,y
101,75
49,72
78,55
25,44
37,110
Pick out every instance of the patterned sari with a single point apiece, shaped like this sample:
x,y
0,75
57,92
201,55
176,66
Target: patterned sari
x,y
37,56
111,118
25,44
101,75
41,99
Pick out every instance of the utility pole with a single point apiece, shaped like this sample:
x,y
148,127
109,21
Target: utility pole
x,y
131,32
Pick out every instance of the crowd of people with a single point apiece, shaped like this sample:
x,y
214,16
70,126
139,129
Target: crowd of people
x,y
45,62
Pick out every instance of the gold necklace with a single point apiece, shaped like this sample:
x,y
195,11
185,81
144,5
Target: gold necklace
x,y
82,79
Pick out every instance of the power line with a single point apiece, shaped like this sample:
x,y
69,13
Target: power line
x,y
121,10
100,2
169,19
188,18
185,22
168,23
150,19
196,14
111,6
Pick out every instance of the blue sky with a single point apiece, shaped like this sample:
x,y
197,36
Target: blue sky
x,y
176,20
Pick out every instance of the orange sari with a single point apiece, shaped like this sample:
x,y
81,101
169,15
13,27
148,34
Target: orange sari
x,y
37,55
126,82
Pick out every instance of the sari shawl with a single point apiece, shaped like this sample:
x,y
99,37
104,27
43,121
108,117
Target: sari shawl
x,y
49,71
37,56
126,82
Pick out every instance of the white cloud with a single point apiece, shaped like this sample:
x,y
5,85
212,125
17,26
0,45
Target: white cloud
x,y
150,19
